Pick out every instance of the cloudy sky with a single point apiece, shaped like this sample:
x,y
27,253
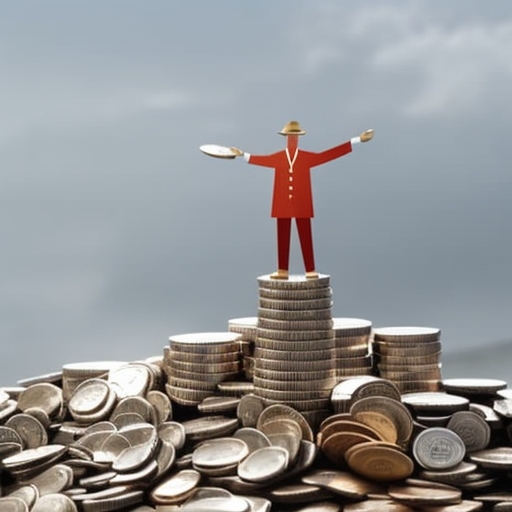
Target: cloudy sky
x,y
116,231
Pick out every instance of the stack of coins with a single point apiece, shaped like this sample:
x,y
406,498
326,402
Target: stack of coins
x,y
246,327
196,363
351,350
294,344
409,356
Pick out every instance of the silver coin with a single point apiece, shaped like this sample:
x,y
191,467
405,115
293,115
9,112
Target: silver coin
x,y
27,493
218,404
292,385
438,448
264,464
295,335
33,456
44,395
249,410
130,380
294,325
89,396
398,334
173,433
494,458
292,295
206,369
295,305
235,388
423,402
348,327
277,365
13,504
30,430
184,396
55,479
287,355
114,503
472,429
176,488
474,386
55,502
135,404
294,282
220,452
161,405
253,438
286,315
209,427
304,345
203,360
295,396
295,375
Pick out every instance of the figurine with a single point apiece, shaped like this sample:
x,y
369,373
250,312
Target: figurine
x,y
292,197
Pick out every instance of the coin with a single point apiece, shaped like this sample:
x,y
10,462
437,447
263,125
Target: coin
x,y
292,334
473,386
249,410
350,327
235,388
295,304
416,334
393,410
294,282
294,325
280,411
378,505
89,397
30,430
246,327
172,432
380,422
471,428
209,427
55,479
46,396
421,496
253,438
438,448
264,464
219,452
342,483
216,342
305,344
55,502
493,458
291,356
218,404
380,462
176,488
437,401
306,294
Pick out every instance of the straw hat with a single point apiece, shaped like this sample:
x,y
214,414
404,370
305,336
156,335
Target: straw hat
x,y
292,128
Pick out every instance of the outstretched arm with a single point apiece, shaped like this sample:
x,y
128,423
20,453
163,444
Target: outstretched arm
x,y
341,150
263,160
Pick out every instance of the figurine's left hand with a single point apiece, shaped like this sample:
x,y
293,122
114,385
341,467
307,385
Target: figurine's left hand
x,y
366,136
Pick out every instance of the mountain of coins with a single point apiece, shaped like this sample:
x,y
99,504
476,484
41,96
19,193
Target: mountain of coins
x,y
291,410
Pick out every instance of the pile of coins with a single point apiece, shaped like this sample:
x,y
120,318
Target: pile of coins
x,y
195,364
294,345
247,328
409,356
351,348
121,443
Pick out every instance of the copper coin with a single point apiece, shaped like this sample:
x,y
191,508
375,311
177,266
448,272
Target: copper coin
x,y
380,462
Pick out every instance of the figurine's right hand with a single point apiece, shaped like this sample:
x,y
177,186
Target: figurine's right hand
x,y
236,151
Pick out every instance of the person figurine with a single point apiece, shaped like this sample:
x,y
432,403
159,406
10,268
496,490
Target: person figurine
x,y
292,196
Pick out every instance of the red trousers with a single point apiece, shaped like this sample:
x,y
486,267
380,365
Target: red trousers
x,y
306,243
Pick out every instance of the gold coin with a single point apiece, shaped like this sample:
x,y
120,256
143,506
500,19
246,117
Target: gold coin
x,y
335,446
379,422
380,463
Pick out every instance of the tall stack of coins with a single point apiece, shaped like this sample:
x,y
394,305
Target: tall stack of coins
x,y
246,327
409,356
352,337
196,363
294,345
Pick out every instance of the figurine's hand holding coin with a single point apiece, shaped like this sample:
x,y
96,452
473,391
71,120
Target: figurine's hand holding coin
x,y
236,151
366,136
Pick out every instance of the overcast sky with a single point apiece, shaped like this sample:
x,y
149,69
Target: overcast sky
x,y
116,231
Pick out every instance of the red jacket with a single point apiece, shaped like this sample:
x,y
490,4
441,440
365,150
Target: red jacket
x,y
292,197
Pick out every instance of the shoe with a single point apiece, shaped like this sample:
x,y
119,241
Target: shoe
x,y
279,274
312,275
